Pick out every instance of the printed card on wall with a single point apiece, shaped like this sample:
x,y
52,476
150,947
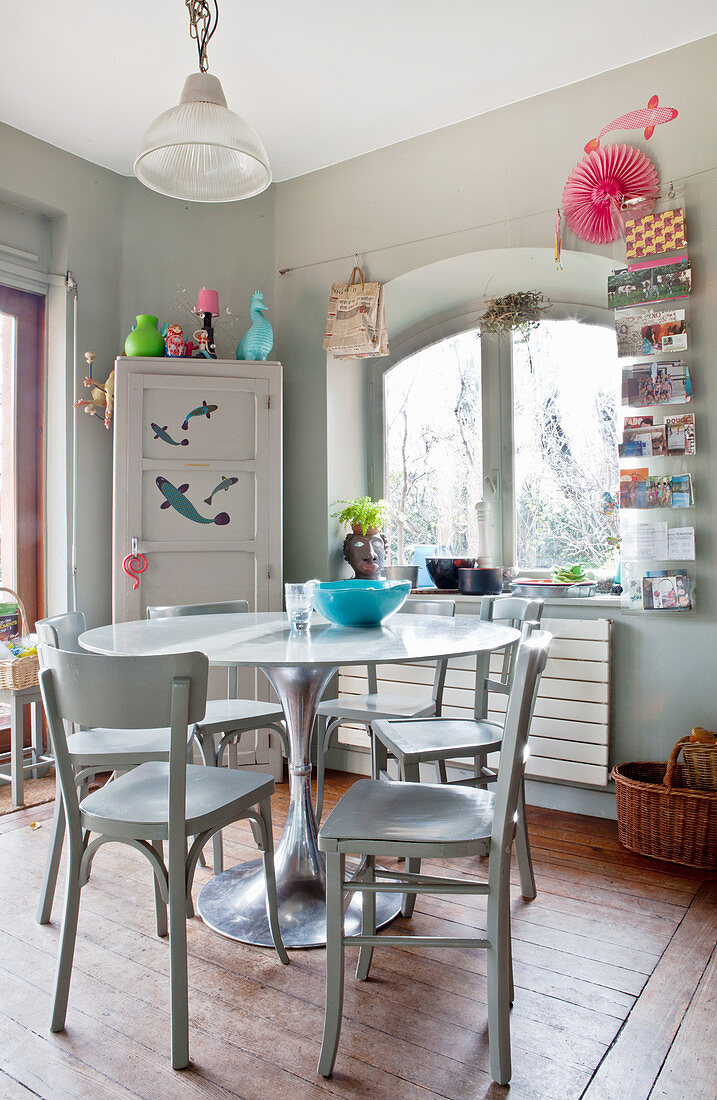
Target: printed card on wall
x,y
631,287
655,233
645,384
650,331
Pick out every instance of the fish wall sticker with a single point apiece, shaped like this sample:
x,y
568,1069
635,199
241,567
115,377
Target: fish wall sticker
x,y
174,498
651,116
201,410
224,485
163,434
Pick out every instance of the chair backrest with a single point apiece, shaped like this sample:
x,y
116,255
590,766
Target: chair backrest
x,y
518,612
62,631
131,693
443,608
226,607
529,664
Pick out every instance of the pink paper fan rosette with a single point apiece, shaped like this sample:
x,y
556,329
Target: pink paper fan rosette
x,y
598,186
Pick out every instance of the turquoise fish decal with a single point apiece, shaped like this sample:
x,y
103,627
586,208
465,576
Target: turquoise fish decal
x,y
201,410
225,484
174,498
163,434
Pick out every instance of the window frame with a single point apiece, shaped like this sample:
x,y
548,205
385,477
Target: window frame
x,y
497,409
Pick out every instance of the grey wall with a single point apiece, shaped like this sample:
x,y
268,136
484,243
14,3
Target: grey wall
x,y
492,182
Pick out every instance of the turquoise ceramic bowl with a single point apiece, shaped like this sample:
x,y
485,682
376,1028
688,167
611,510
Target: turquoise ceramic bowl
x,y
360,603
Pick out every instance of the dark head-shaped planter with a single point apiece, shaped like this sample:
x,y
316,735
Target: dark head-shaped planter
x,y
366,554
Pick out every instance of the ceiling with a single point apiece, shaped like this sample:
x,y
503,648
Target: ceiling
x,y
320,81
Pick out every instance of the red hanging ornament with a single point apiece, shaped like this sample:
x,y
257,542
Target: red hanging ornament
x,y
601,183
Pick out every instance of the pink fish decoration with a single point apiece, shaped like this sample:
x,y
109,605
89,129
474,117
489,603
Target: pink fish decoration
x,y
648,117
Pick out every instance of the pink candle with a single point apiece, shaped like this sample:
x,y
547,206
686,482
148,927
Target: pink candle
x,y
208,302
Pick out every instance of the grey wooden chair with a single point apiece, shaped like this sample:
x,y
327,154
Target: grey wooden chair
x,y
435,740
90,751
226,719
366,709
432,821
155,802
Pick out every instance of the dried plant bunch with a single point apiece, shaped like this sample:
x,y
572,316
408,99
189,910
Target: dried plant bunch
x,y
520,311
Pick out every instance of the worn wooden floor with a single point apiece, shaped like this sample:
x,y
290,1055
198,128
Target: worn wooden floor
x,y
616,987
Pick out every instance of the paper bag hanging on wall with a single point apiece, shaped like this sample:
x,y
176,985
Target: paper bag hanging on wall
x,y
356,320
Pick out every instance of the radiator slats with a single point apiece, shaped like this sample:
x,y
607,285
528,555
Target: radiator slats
x,y
570,730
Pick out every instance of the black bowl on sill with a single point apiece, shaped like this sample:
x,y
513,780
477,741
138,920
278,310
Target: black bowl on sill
x,y
444,571
480,581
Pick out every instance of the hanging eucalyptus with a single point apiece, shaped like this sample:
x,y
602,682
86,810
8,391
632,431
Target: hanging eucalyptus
x,y
520,312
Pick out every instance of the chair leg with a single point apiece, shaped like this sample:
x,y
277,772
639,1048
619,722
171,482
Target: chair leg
x,y
411,774
335,871
522,851
321,750
379,755
68,936
498,972
160,908
208,749
368,921
52,863
272,907
178,981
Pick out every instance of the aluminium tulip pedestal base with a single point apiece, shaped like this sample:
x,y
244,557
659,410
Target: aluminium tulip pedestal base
x,y
234,902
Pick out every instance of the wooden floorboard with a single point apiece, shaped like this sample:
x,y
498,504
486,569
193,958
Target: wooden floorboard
x,y
594,955
690,1064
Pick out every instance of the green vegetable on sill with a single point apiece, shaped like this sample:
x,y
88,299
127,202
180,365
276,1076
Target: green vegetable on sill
x,y
572,574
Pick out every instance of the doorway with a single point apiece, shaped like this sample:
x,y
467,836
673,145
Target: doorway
x,y
22,358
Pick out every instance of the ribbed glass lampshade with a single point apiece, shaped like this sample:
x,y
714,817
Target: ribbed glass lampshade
x,y
202,151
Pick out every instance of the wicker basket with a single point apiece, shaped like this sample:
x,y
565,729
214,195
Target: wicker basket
x,y
23,671
700,761
658,815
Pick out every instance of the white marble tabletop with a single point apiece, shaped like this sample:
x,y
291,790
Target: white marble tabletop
x,y
264,639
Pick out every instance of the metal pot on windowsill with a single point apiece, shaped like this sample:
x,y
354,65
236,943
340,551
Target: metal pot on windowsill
x,y
480,581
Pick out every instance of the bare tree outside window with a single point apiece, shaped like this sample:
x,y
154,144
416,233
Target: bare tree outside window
x,y
434,447
566,380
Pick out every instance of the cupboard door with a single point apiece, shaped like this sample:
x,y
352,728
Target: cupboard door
x,y
197,493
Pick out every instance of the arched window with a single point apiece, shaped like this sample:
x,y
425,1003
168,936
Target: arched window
x,y
528,424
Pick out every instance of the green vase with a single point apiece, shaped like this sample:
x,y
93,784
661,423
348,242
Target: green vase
x,y
145,339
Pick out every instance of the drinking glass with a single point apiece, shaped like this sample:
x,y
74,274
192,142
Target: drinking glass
x,y
299,604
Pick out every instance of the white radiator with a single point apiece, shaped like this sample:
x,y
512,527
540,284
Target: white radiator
x,y
571,723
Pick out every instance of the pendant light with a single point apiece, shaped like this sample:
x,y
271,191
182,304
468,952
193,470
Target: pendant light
x,y
200,150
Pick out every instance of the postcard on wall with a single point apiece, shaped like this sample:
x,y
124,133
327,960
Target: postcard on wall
x,y
680,432
658,492
666,591
645,384
633,488
681,544
642,541
644,331
643,442
638,422
655,233
681,485
631,287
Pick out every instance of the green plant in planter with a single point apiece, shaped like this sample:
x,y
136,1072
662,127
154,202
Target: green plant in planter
x,y
362,513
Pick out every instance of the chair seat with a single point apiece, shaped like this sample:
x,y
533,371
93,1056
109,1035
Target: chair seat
x,y
439,738
410,818
136,804
224,715
118,748
369,708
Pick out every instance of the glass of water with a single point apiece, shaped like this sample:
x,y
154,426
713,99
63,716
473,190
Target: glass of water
x,y
299,604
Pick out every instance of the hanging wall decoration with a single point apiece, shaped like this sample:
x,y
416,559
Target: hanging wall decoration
x,y
224,486
163,434
602,185
102,396
201,410
134,564
174,498
646,117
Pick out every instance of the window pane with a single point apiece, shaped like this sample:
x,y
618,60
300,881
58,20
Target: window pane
x,y
566,386
434,447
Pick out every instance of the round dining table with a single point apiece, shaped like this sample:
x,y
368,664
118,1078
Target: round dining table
x,y
299,666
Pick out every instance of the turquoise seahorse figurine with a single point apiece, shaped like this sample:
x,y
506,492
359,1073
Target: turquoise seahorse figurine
x,y
257,342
